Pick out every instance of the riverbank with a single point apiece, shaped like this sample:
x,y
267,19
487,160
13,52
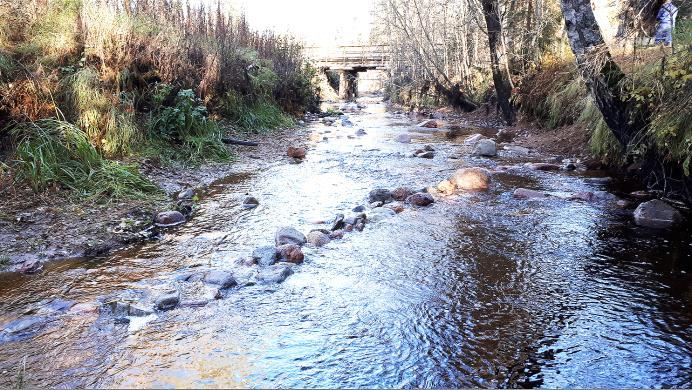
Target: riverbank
x,y
54,225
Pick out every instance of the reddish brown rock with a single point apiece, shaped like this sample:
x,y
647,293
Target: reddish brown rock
x,y
420,199
396,206
336,234
402,193
31,267
291,253
431,124
294,152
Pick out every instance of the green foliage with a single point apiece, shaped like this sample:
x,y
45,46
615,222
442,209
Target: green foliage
x,y
52,152
259,116
682,36
110,128
53,38
186,126
4,260
567,104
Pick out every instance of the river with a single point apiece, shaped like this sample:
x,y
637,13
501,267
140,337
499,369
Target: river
x,y
479,289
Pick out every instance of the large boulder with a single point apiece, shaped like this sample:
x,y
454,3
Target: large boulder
x,y
380,195
264,255
656,214
289,235
169,218
485,147
421,199
474,179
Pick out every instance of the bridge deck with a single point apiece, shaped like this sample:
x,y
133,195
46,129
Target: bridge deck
x,y
352,57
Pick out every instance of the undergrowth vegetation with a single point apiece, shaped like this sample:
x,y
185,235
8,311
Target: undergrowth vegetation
x,y
84,82
554,95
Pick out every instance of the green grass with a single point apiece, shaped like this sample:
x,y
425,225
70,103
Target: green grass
x,y
52,152
100,114
261,116
4,261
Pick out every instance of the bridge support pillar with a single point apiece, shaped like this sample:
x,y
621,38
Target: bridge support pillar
x,y
348,84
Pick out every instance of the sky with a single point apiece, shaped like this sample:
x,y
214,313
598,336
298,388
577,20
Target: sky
x,y
317,22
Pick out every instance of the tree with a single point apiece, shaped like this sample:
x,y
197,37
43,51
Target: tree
x,y
498,59
601,74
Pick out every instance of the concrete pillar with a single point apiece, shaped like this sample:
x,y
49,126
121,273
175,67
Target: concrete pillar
x,y
348,84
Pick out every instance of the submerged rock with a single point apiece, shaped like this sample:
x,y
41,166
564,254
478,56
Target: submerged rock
x,y
264,255
403,138
337,234
425,154
31,267
223,279
289,235
186,194
472,179
421,199
168,300
657,214
395,206
485,147
380,213
276,273
525,193
540,166
250,202
169,218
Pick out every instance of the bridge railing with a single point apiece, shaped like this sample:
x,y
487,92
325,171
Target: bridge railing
x,y
349,55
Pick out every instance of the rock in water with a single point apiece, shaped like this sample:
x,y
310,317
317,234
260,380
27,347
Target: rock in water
x,y
30,267
474,179
264,255
380,213
401,193
657,214
361,132
543,166
223,279
505,135
380,195
420,199
298,153
169,218
289,235
290,253
426,155
275,274
250,202
473,139
186,194
431,124
318,238
168,301
485,147
525,193
403,138
338,222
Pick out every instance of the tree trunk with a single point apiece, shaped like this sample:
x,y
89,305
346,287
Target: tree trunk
x,y
498,59
601,74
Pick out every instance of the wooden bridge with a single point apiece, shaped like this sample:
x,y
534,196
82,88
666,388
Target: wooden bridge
x,y
348,61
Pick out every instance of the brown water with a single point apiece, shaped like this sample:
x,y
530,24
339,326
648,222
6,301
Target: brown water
x,y
476,290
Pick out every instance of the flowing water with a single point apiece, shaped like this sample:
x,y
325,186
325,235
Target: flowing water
x,y
479,289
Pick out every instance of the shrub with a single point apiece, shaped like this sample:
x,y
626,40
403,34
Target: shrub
x,y
52,152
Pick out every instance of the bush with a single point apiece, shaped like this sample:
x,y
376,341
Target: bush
x,y
185,125
52,152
